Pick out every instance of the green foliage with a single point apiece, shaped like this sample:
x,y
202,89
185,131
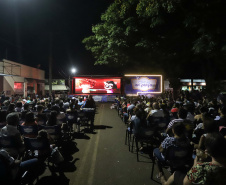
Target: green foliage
x,y
161,34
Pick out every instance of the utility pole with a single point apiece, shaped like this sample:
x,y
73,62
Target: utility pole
x,y
69,83
50,64
6,53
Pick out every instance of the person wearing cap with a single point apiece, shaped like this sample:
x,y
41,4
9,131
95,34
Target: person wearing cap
x,y
10,129
174,110
182,114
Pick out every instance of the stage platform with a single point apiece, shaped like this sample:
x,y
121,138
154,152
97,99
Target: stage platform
x,y
97,98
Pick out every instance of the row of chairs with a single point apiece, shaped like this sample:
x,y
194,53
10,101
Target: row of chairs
x,y
57,133
80,117
152,138
176,158
36,146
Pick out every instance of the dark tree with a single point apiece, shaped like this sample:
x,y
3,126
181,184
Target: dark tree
x,y
174,37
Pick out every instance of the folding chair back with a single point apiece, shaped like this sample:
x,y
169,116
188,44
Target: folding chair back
x,y
159,122
179,158
29,130
7,142
53,131
71,118
34,146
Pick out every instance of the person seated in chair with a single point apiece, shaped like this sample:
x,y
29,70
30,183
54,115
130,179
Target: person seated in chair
x,y
11,170
3,115
60,115
30,121
156,111
130,108
139,124
222,118
11,130
11,108
18,107
41,117
182,114
52,120
72,112
24,111
154,114
201,172
90,103
46,138
179,139
48,151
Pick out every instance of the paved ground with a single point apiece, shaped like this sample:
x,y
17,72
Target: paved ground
x,y
101,158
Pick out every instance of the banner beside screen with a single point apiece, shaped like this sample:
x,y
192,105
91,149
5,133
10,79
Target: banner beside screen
x,y
143,84
87,85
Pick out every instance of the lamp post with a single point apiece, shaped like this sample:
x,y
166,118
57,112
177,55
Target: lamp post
x,y
72,72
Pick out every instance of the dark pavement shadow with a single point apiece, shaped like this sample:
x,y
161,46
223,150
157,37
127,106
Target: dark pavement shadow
x,y
68,149
96,127
101,127
88,131
54,180
66,166
80,135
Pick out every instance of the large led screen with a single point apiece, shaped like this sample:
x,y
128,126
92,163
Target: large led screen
x,y
97,85
143,84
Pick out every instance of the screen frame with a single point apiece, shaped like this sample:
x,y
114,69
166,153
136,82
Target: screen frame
x,y
143,92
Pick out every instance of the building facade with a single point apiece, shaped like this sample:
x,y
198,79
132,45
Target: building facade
x,y
19,79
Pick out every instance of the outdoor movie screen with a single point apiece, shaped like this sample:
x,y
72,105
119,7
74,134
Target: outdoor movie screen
x,y
97,85
143,84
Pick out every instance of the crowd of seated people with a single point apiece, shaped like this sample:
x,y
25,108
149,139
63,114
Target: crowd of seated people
x,y
193,121
22,120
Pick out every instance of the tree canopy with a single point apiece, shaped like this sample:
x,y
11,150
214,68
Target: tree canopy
x,y
172,36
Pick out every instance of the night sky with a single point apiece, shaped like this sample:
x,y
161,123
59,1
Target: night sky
x,y
27,26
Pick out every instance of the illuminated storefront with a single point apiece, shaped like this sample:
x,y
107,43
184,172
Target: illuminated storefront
x,y
198,84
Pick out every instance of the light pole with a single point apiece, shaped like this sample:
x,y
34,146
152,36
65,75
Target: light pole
x,y
72,72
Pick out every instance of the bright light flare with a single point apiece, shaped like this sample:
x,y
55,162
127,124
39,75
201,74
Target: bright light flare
x,y
73,70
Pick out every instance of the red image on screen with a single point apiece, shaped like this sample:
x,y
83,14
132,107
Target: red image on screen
x,y
97,85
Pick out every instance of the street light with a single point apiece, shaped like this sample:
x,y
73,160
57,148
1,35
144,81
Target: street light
x,y
73,71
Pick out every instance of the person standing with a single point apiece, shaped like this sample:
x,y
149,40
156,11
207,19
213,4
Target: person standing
x,y
90,103
2,98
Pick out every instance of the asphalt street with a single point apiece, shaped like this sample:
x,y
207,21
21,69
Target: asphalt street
x,y
101,158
